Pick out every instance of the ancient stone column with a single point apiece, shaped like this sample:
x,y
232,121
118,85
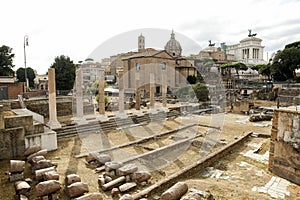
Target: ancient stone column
x,y
121,92
137,92
152,91
79,119
101,93
53,122
164,89
1,117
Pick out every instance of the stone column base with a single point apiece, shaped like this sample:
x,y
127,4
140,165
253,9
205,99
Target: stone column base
x,y
102,118
80,120
54,124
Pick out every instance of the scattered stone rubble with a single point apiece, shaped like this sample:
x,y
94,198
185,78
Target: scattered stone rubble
x,y
48,185
118,177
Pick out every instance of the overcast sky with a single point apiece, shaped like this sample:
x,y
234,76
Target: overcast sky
x,y
77,28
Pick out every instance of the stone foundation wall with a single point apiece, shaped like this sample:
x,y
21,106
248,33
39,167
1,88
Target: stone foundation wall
x,y
284,159
12,144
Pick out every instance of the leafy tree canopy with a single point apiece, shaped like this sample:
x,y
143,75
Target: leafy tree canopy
x,y
294,44
30,75
64,72
6,61
285,63
236,65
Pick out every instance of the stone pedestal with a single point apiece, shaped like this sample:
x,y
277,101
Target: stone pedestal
x,y
79,119
53,122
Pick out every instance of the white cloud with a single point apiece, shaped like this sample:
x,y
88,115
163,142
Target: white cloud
x,y
76,28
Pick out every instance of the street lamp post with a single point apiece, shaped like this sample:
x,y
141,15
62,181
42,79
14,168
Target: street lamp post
x,y
25,44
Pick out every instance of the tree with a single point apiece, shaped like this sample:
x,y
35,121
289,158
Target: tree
x,y
236,65
191,79
285,63
30,75
201,91
64,72
263,69
6,61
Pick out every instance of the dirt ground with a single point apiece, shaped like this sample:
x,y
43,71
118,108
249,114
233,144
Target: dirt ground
x,y
238,186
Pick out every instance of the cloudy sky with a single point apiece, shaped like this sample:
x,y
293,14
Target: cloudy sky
x,y
76,28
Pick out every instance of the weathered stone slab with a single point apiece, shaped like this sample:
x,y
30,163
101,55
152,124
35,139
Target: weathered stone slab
x,y
127,169
32,150
47,187
109,166
77,189
17,166
103,158
141,176
127,186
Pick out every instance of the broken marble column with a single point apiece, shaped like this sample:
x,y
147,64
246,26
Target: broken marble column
x,y
114,183
127,186
53,122
39,153
72,178
79,119
46,188
91,196
77,189
16,170
22,188
175,192
141,176
39,174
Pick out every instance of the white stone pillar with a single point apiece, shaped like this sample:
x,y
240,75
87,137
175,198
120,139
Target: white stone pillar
x,y
53,122
79,119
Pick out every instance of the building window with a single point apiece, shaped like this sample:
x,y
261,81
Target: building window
x,y
163,66
137,67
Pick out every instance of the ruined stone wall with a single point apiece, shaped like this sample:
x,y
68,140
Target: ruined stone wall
x,y
284,159
12,144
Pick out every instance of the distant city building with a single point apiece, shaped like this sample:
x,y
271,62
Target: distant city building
x,y
248,51
149,60
41,82
173,47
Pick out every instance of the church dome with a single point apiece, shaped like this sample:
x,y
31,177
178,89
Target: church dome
x,y
173,47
